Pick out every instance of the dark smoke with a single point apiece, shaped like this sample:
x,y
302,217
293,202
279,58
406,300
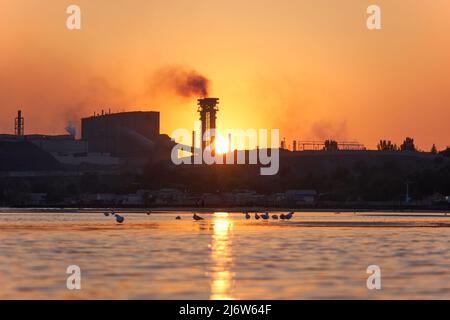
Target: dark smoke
x,y
183,82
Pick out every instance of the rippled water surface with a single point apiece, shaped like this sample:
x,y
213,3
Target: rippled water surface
x,y
313,256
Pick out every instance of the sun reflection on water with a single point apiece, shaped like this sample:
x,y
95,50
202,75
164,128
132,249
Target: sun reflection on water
x,y
221,256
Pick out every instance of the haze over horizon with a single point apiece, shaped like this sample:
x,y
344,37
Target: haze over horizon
x,y
312,69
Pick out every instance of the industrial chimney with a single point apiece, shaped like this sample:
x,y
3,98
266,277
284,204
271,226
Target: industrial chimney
x,y
208,109
283,143
19,124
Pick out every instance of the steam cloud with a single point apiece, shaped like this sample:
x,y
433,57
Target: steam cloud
x,y
71,128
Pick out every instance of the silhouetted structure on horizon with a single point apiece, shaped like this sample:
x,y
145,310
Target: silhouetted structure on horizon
x,y
208,109
121,134
19,124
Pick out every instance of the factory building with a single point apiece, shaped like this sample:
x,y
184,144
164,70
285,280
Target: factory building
x,y
111,139
64,148
123,135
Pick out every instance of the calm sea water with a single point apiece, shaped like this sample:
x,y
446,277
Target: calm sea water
x,y
313,256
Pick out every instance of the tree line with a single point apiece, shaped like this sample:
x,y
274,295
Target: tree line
x,y
387,145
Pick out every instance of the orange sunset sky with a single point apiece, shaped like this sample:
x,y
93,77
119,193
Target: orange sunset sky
x,y
310,68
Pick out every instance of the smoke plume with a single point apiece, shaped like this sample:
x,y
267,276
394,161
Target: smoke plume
x,y
329,130
183,82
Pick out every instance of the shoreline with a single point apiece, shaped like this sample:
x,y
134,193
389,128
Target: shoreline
x,y
161,210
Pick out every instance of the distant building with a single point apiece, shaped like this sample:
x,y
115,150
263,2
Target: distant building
x,y
110,140
100,198
64,148
300,196
132,199
58,143
67,150
249,198
125,134
211,199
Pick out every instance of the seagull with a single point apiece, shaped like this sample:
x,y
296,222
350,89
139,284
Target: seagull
x,y
257,217
275,217
178,218
119,219
247,215
196,217
289,215
265,216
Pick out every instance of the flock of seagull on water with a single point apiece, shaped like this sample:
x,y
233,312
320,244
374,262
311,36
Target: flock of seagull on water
x,y
266,216
196,217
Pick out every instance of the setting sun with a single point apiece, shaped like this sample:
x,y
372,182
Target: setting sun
x,y
222,145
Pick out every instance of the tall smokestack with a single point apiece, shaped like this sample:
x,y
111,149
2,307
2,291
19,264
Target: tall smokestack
x,y
283,143
193,144
19,124
208,109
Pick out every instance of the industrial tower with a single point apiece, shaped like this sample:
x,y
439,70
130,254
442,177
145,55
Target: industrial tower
x,y
208,109
19,124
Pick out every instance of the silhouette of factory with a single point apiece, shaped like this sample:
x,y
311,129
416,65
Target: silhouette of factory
x,y
124,139
122,158
107,139
122,135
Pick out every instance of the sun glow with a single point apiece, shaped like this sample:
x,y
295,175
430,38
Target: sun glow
x,y
222,145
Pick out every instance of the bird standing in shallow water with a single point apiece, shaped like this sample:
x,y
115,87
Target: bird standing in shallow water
x,y
289,215
265,216
119,219
196,217
274,217
106,214
178,218
149,213
257,217
247,215
282,216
